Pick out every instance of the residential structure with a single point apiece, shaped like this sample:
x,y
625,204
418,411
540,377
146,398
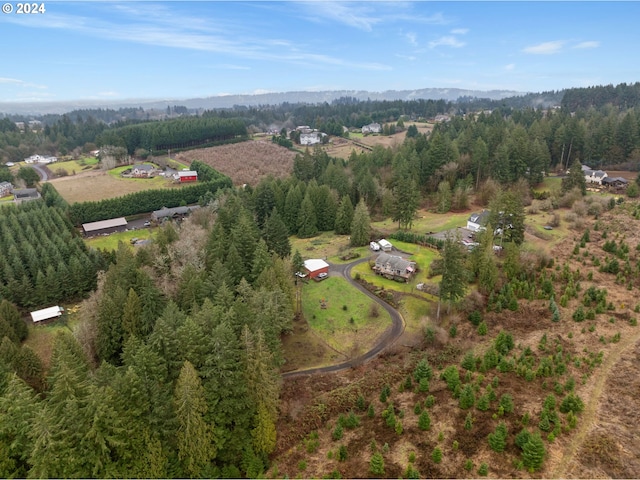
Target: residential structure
x,y
311,138
5,189
175,213
371,128
316,266
394,267
104,226
41,159
143,171
614,182
477,222
594,176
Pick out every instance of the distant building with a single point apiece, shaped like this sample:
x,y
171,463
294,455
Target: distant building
x,y
105,226
186,176
143,171
174,213
44,159
594,176
477,222
311,138
372,128
25,195
5,189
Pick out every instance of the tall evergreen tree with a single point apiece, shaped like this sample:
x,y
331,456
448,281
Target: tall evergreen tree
x,y
454,275
307,221
276,235
360,226
344,216
194,435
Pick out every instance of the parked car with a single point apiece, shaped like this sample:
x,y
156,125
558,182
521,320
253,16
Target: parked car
x,y
147,223
375,246
322,276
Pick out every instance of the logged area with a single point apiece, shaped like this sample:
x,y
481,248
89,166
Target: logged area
x,y
245,162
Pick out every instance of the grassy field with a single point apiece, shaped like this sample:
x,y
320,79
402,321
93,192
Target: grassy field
x,y
346,323
110,242
427,222
71,167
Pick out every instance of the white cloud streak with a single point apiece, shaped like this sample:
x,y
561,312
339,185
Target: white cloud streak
x,y
546,48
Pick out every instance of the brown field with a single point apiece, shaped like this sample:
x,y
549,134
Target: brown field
x,y
99,185
245,162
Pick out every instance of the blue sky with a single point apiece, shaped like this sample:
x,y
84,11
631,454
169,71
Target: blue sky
x,y
104,50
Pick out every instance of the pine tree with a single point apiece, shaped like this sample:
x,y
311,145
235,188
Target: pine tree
x,y
454,276
424,421
467,397
533,453
10,314
307,221
422,370
498,439
131,315
468,421
276,235
292,203
261,259
194,436
344,216
376,464
360,226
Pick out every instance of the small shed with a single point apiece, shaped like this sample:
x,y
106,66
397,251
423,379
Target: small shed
x,y
25,195
385,245
316,266
174,213
46,314
105,226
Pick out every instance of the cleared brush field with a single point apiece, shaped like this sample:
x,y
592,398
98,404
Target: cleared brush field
x,y
245,162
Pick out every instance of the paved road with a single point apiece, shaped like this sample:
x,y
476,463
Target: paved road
x,y
42,171
387,338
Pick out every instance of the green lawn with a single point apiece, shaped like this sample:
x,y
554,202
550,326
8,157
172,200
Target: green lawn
x,y
71,167
351,330
110,242
427,222
549,184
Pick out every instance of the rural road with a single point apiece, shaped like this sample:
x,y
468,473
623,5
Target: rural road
x,y
42,171
388,337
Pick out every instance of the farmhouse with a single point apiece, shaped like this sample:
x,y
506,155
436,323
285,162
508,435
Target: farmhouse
x,y
394,267
25,195
5,189
40,159
385,245
311,138
478,221
316,266
46,314
143,171
372,128
174,213
186,176
594,176
104,226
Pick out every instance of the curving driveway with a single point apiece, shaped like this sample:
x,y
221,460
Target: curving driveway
x,y
388,337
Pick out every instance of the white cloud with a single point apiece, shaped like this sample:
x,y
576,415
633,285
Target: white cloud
x,y
355,15
589,44
412,38
411,58
546,48
14,81
510,67
460,31
447,41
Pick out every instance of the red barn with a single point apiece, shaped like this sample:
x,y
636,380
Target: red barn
x,y
187,176
315,267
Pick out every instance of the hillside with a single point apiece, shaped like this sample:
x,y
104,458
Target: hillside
x,y
549,361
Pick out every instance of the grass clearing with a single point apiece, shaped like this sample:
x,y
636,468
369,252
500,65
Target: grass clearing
x,y
351,330
41,337
427,222
110,242
72,167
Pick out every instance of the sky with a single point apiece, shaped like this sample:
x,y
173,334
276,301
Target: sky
x,y
107,50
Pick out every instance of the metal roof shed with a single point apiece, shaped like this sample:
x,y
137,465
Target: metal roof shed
x,y
114,223
46,314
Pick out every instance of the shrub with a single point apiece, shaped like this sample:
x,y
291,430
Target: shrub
x,y
506,402
424,422
533,453
475,317
338,432
482,329
498,439
483,470
571,403
342,453
436,455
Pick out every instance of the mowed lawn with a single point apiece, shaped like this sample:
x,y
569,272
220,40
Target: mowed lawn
x,y
72,167
111,241
350,322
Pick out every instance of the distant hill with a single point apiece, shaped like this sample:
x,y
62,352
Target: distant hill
x,y
228,101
